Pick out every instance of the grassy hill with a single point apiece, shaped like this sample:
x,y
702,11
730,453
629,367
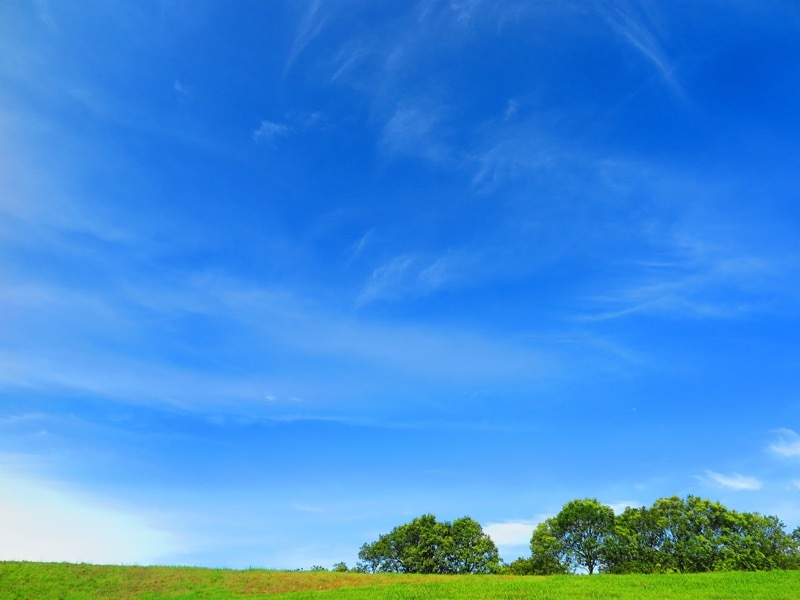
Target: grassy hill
x,y
47,581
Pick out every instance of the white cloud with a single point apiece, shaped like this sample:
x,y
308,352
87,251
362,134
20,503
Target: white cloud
x,y
269,131
390,280
41,523
45,361
734,481
512,108
180,88
465,10
415,275
415,132
639,30
787,444
45,13
310,26
358,246
511,534
619,507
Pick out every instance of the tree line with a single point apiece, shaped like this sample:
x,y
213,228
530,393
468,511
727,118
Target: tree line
x,y
674,535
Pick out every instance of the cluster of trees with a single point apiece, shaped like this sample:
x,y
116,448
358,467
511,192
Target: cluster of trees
x,y
684,535
426,545
690,535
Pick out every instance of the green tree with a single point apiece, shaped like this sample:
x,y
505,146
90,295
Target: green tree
x,y
521,566
696,535
548,555
756,542
427,546
636,542
469,549
582,528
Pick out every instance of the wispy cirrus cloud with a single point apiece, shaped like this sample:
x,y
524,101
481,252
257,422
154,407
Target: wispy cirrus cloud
x,y
688,290
695,261
734,481
416,131
181,89
45,359
310,25
787,444
414,275
269,131
46,14
638,23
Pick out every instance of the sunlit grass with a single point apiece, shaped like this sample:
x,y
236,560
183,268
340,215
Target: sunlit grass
x,y
46,581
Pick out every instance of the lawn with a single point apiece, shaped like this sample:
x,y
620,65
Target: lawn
x,y
47,581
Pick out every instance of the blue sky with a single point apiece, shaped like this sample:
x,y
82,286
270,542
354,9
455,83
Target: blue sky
x,y
279,276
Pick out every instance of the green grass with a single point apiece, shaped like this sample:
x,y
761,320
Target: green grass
x,y
46,581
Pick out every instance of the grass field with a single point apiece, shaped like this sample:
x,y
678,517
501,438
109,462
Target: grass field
x,y
45,581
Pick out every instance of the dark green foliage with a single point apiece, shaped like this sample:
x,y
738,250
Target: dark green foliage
x,y
574,539
691,535
427,546
637,543
548,555
521,566
469,549
582,528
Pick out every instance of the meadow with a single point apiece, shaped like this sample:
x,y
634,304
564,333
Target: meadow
x,y
62,581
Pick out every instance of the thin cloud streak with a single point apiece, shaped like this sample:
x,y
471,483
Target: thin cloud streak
x,y
634,30
309,28
734,481
268,132
787,445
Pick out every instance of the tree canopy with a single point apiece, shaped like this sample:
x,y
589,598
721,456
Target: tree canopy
x,y
427,546
688,535
674,535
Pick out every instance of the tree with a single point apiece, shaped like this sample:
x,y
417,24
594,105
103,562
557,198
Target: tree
x,y
582,528
469,549
521,566
427,546
547,553
756,542
636,543
696,535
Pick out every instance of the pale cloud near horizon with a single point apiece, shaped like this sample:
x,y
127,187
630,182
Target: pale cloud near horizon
x,y
619,507
734,481
514,533
518,533
42,523
787,444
